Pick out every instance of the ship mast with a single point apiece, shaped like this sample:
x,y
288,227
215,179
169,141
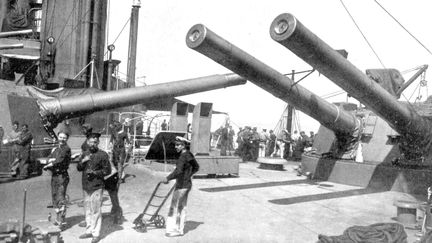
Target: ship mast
x,y
133,37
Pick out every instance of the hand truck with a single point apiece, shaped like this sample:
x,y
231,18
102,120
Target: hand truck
x,y
157,220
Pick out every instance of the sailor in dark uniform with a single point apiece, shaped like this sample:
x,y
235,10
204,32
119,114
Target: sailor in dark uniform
x,y
95,166
58,164
186,166
24,147
118,139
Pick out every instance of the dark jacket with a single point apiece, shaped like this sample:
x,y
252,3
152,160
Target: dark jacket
x,y
24,144
62,155
118,139
99,166
186,166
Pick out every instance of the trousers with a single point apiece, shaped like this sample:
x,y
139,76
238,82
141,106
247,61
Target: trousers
x,y
93,211
177,212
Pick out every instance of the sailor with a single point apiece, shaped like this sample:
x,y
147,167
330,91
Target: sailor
x,y
24,147
255,140
58,164
118,139
231,135
164,125
12,139
271,144
186,166
86,130
286,140
239,142
94,166
224,139
246,138
263,138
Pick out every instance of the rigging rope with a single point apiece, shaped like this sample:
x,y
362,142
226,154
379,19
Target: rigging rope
x,y
52,18
67,21
403,27
121,31
364,37
333,94
72,31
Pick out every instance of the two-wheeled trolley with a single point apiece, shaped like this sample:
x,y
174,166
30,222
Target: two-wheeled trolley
x,y
155,219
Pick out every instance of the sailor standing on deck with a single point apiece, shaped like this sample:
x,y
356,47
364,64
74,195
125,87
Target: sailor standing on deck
x,y
24,147
58,164
94,166
12,139
118,139
186,166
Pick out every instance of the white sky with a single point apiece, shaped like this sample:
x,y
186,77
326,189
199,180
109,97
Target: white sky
x,y
163,55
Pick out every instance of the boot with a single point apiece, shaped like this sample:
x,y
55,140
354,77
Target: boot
x,y
61,217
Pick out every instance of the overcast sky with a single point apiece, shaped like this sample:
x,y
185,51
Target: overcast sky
x,y
163,55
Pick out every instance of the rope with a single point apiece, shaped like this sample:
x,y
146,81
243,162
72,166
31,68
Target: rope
x,y
403,27
364,37
412,69
52,18
76,26
121,31
333,94
67,21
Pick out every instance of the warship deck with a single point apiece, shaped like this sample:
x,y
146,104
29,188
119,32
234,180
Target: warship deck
x,y
257,206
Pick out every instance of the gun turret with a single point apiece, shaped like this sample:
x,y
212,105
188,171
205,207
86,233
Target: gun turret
x,y
203,40
415,131
55,110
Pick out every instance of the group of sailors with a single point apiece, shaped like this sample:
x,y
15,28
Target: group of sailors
x,y
100,172
252,144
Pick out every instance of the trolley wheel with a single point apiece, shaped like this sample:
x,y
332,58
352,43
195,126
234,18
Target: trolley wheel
x,y
159,221
141,226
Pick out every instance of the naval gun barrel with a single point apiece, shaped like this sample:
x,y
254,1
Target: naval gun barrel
x,y
55,110
291,33
203,40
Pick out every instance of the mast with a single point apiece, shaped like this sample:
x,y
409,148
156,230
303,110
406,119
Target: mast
x,y
133,37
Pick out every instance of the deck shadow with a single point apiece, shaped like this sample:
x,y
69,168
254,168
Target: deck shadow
x,y
257,185
191,225
325,196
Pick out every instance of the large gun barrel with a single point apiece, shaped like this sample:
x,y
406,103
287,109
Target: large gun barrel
x,y
205,41
54,110
292,34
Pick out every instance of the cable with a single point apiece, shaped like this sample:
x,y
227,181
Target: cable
x,y
67,21
52,18
362,34
403,27
412,69
333,94
76,26
121,31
